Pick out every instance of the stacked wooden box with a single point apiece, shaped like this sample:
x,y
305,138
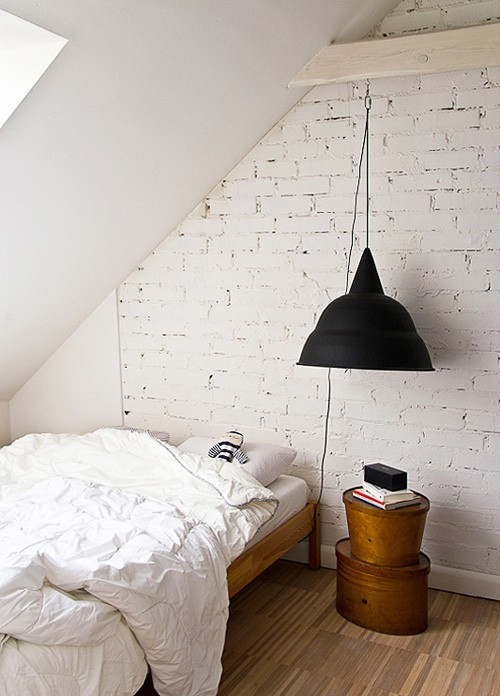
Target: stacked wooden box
x,y
381,573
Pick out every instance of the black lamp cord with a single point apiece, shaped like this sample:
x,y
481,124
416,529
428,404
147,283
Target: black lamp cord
x,y
364,146
325,437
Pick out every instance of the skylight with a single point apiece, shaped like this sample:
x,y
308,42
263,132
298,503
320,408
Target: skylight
x,y
26,51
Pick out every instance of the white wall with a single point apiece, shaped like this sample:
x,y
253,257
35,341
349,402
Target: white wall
x,y
78,389
214,320
4,423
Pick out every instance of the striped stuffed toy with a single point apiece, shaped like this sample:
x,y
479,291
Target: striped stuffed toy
x,y
229,447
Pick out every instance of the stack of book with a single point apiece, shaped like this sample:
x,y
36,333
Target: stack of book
x,y
396,494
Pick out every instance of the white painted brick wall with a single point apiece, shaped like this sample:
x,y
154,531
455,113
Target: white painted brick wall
x,y
213,322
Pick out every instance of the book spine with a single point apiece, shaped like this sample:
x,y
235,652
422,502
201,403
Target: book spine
x,y
375,491
387,496
367,498
402,503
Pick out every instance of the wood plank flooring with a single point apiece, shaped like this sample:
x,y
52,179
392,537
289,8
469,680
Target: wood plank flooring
x,y
285,638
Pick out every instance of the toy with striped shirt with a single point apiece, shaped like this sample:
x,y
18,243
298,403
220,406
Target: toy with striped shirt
x,y
229,448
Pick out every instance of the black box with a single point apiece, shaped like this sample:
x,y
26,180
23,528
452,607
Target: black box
x,y
386,476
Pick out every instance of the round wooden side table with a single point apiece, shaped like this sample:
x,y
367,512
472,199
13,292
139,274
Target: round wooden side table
x,y
381,574
385,537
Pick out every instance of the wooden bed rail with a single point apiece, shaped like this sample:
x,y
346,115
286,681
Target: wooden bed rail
x,y
253,562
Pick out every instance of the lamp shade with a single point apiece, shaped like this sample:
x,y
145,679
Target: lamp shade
x,y
365,329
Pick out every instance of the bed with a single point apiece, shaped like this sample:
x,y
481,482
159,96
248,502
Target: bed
x,y
117,665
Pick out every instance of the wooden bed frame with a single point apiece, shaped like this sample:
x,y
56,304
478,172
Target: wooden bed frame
x,y
257,558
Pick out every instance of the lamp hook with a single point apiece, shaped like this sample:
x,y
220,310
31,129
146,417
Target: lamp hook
x,y
368,99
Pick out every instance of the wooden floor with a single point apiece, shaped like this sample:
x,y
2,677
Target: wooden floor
x,y
285,638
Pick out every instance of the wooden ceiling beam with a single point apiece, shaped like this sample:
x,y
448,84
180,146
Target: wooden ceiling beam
x,y
414,54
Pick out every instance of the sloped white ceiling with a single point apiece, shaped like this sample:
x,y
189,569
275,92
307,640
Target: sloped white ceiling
x,y
149,105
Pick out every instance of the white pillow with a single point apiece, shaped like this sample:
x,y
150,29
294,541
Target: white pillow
x,y
265,462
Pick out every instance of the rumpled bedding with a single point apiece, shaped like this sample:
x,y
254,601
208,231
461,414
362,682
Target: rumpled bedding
x,y
115,667
144,528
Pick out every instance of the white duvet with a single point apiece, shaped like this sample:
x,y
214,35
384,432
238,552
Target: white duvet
x,y
144,528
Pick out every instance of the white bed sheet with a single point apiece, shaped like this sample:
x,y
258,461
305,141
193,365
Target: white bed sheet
x,y
293,494
118,666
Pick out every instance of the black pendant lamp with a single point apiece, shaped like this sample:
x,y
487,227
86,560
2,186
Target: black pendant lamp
x,y
365,329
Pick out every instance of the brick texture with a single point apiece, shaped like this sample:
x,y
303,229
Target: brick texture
x,y
213,322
